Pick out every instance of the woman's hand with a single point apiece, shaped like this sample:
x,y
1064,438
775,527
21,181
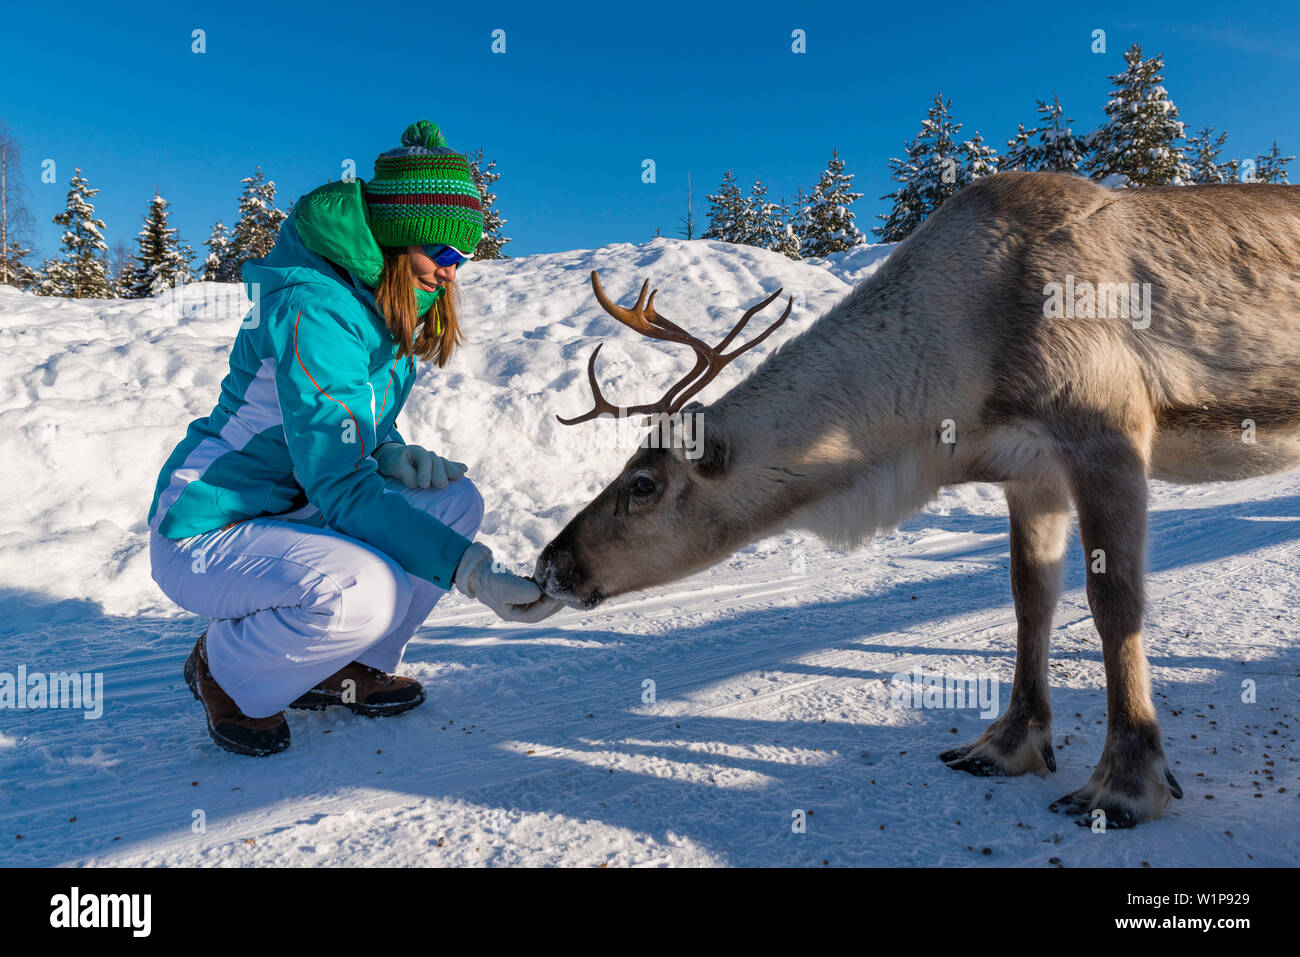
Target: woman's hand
x,y
511,597
416,467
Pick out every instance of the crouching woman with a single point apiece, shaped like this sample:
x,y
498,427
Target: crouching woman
x,y
294,516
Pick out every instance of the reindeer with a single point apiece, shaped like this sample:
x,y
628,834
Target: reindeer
x,y
842,429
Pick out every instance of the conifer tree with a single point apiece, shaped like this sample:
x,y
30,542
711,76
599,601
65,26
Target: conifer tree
x,y
688,221
79,273
217,263
729,212
14,270
980,160
928,174
1052,146
123,276
827,222
1060,149
1203,151
789,242
492,245
767,222
259,222
1022,151
1139,138
1270,167
161,261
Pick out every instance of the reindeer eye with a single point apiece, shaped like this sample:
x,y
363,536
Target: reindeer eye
x,y
643,485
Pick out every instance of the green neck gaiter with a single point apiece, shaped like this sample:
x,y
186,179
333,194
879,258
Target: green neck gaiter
x,y
424,300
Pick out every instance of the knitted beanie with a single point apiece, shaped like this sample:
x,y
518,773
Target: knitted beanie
x,y
422,192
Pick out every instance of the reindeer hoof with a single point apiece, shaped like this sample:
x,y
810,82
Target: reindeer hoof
x,y
1127,793
960,759
1086,802
999,752
1079,804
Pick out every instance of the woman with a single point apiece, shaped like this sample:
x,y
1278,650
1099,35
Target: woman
x,y
295,516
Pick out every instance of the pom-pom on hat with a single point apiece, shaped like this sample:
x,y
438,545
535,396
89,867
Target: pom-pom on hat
x,y
422,192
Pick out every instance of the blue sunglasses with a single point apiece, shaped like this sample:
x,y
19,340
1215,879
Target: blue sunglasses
x,y
445,255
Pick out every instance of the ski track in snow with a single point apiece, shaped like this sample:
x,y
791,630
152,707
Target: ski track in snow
x,y
771,670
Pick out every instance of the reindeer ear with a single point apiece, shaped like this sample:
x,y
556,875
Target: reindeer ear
x,y
704,445
716,455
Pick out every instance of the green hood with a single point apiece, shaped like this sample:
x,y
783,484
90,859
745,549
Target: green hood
x,y
333,222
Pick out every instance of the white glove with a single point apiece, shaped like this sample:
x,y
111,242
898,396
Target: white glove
x,y
511,597
416,467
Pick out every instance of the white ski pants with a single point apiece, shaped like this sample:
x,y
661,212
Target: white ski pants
x,y
292,604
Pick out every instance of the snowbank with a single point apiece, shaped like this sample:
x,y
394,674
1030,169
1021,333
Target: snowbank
x,y
95,393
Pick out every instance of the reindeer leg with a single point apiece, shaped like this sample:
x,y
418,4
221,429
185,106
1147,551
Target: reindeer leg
x,y
1132,781
1021,740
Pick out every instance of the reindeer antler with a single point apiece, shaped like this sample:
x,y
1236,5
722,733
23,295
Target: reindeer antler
x,y
709,360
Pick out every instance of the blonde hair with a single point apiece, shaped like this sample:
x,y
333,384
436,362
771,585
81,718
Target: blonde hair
x,y
438,335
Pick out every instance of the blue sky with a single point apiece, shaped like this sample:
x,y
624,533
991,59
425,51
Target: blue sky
x,y
583,94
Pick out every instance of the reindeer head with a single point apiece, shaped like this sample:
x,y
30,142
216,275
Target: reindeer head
x,y
671,510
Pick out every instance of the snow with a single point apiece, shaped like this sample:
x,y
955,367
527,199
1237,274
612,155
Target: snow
x,y
540,744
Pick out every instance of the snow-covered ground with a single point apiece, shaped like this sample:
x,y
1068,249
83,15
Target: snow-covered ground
x,y
540,745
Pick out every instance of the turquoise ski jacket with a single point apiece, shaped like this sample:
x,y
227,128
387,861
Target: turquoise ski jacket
x,y
314,388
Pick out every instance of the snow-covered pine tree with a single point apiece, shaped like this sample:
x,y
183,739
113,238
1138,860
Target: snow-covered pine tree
x,y
938,179
1059,150
1270,167
217,263
907,212
729,213
1022,151
688,221
789,241
1139,138
14,270
122,276
79,273
259,222
980,160
797,215
928,174
767,222
747,223
492,245
161,261
1203,150
53,279
1052,146
828,225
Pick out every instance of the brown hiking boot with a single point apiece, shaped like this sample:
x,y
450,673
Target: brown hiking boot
x,y
229,727
372,693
